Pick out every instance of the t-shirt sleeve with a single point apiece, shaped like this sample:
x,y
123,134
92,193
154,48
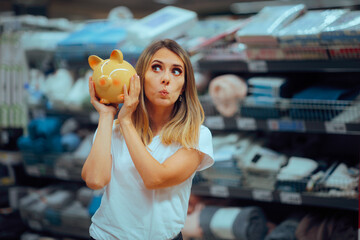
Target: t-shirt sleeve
x,y
206,147
94,136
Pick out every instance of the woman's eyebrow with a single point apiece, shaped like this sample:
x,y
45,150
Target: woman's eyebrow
x,y
178,65
157,61
175,65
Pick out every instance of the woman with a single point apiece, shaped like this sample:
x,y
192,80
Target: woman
x,y
147,160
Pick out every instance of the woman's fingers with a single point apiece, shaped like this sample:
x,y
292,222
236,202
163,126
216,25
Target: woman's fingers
x,y
134,90
137,84
126,94
92,91
91,88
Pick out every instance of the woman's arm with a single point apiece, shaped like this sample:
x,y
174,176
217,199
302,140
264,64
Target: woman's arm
x,y
174,170
96,171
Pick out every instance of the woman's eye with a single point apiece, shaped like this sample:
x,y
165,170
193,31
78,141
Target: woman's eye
x,y
177,71
156,68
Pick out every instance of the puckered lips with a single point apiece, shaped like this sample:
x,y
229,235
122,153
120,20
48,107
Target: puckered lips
x,y
164,92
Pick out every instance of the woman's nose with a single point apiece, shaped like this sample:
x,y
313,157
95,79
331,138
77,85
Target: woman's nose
x,y
166,79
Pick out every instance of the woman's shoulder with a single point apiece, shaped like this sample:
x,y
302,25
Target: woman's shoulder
x,y
205,136
204,130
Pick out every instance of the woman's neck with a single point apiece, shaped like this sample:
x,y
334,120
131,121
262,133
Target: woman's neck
x,y
158,118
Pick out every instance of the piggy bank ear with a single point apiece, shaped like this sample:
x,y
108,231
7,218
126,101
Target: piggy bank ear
x,y
116,55
94,61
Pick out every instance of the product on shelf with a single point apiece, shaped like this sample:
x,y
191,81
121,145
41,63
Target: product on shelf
x,y
325,225
306,30
57,87
168,22
263,26
110,76
217,222
226,91
321,102
294,176
345,30
60,209
285,230
97,38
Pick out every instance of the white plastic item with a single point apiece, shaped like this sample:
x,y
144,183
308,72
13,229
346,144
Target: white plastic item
x,y
168,22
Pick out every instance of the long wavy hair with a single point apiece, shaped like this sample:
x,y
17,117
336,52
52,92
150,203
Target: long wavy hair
x,y
187,115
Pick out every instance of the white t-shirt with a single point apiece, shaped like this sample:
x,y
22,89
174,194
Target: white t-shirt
x,y
129,211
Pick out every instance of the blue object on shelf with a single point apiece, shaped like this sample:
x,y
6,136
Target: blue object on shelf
x,y
53,216
320,102
94,204
53,144
27,144
44,127
96,38
70,142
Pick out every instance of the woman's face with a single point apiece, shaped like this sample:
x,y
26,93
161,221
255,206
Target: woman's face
x,y
164,78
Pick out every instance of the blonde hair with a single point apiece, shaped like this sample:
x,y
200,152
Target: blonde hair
x,y
188,114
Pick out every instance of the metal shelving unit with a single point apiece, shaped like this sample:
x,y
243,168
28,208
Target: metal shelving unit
x,y
282,115
292,198
288,115
262,66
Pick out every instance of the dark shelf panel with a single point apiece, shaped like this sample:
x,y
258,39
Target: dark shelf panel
x,y
261,66
280,125
88,116
292,198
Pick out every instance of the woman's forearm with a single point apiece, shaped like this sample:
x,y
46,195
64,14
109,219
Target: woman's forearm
x,y
150,170
96,171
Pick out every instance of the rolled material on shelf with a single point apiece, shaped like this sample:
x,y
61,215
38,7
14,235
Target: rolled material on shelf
x,y
226,91
248,223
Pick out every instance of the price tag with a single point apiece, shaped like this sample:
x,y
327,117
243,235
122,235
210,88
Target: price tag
x,y
35,224
94,117
215,122
290,198
262,195
246,123
219,191
4,137
257,66
38,113
61,173
3,158
33,170
286,125
331,127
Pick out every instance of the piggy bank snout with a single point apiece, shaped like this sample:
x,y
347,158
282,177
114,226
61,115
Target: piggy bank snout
x,y
104,80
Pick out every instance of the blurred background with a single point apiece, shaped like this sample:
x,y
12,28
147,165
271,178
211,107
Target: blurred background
x,y
279,84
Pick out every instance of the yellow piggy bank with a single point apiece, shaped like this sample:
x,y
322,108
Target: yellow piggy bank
x,y
110,75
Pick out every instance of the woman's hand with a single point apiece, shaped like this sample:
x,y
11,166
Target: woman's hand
x,y
100,108
131,100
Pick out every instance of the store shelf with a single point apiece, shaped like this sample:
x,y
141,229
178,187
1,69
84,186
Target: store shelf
x,y
84,116
58,166
261,66
292,198
280,125
255,6
288,116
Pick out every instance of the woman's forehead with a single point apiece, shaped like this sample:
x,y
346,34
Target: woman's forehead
x,y
167,56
